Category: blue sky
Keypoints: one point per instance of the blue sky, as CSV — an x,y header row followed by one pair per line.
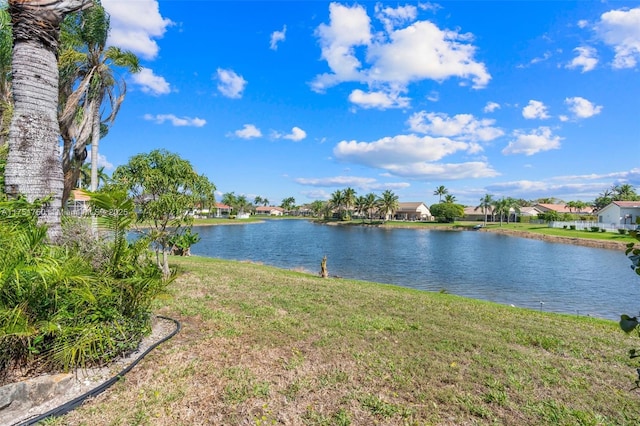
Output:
x,y
299,98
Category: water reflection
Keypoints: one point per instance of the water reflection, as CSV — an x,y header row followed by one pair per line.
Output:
x,y
510,270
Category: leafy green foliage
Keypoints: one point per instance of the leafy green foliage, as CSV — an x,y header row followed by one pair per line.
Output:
x,y
447,212
182,243
165,189
60,310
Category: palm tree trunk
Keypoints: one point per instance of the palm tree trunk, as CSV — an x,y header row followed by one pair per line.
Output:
x,y
33,165
95,140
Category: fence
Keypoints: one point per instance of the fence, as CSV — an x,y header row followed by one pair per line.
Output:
x,y
581,225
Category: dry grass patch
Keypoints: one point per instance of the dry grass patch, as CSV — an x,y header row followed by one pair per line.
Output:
x,y
263,346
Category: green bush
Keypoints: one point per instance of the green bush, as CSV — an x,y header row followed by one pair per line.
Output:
x,y
622,231
595,229
572,227
70,305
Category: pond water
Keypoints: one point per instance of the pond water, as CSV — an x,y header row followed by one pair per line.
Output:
x,y
510,270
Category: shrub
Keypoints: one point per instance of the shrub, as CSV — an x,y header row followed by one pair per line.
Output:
x,y
572,227
70,305
595,229
622,231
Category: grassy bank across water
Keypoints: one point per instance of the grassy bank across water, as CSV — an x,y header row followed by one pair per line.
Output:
x,y
264,346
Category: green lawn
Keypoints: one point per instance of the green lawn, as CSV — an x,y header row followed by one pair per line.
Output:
x,y
264,346
544,229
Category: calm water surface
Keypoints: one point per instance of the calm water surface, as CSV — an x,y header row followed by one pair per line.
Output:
x,y
516,271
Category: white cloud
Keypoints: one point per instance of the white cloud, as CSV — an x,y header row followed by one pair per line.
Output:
x,y
230,84
582,108
491,106
572,187
536,141
583,23
438,171
380,100
151,83
535,109
277,37
135,25
348,28
336,181
248,131
545,56
621,30
102,161
461,126
586,59
394,17
393,58
297,134
424,51
361,183
401,149
176,121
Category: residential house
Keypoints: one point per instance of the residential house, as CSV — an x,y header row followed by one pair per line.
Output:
x,y
413,211
529,211
477,214
78,203
222,210
620,214
562,208
269,211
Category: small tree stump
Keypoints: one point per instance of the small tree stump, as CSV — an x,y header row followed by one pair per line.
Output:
x,y
323,268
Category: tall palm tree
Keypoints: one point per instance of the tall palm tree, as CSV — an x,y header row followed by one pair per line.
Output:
x,y
440,191
388,203
501,207
624,192
229,199
337,201
242,203
349,195
84,180
288,203
570,205
360,206
512,204
91,89
485,204
449,198
33,165
316,207
371,203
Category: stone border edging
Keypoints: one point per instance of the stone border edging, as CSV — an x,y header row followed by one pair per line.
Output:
x,y
68,406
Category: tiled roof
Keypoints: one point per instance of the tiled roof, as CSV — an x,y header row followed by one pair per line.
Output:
x,y
268,208
627,204
410,205
79,195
